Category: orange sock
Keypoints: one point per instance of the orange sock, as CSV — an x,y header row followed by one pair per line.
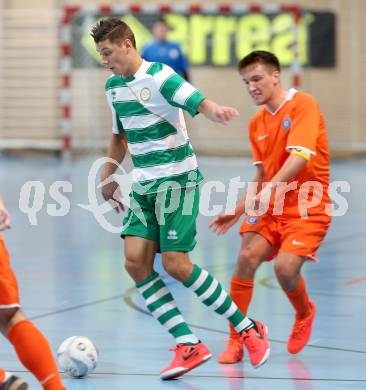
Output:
x,y
35,354
2,375
300,299
241,292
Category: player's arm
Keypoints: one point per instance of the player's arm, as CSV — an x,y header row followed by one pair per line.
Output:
x,y
4,216
118,144
292,166
301,142
116,151
222,223
258,181
217,113
258,163
179,93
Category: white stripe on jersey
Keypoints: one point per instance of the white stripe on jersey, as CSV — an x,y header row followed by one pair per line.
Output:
x,y
183,93
139,121
122,94
160,171
114,115
170,142
163,75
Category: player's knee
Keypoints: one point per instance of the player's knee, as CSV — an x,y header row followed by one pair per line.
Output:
x,y
170,264
248,259
284,272
177,267
138,269
7,317
133,268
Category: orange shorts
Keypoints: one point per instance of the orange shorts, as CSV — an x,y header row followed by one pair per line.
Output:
x,y
9,295
298,236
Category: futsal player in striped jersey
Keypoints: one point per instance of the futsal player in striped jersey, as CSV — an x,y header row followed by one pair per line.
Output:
x,y
146,100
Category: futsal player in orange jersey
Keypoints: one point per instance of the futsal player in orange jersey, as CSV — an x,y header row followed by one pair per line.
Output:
x,y
289,146
29,343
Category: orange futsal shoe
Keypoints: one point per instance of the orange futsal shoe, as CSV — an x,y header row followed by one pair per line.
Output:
x,y
186,358
301,331
256,342
233,353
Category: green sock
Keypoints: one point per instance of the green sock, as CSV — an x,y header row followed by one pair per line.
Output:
x,y
163,307
211,293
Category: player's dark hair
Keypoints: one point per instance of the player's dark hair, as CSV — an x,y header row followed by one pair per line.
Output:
x,y
261,57
113,29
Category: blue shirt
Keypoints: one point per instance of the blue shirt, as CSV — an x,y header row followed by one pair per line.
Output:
x,y
168,53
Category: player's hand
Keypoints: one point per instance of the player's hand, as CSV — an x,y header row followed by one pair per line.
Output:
x,y
221,224
112,194
217,113
224,115
4,219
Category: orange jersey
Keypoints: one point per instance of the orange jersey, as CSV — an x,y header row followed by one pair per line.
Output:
x,y
299,125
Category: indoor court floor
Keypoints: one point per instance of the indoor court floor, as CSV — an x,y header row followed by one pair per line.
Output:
x,y
72,282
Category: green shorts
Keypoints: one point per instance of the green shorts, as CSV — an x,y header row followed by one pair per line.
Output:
x,y
167,217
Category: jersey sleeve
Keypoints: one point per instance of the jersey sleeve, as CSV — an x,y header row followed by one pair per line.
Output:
x,y
117,127
256,155
177,91
305,126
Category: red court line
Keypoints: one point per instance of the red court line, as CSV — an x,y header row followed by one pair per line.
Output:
x,y
356,281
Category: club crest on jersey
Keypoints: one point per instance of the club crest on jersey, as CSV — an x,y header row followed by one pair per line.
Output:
x,y
286,123
252,220
145,94
114,95
174,53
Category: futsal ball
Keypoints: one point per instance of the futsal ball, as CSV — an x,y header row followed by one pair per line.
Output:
x,y
77,356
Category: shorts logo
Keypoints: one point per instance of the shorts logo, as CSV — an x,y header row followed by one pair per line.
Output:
x,y
145,94
172,235
286,124
295,242
252,220
261,137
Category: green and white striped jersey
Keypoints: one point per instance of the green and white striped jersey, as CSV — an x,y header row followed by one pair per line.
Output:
x,y
148,108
